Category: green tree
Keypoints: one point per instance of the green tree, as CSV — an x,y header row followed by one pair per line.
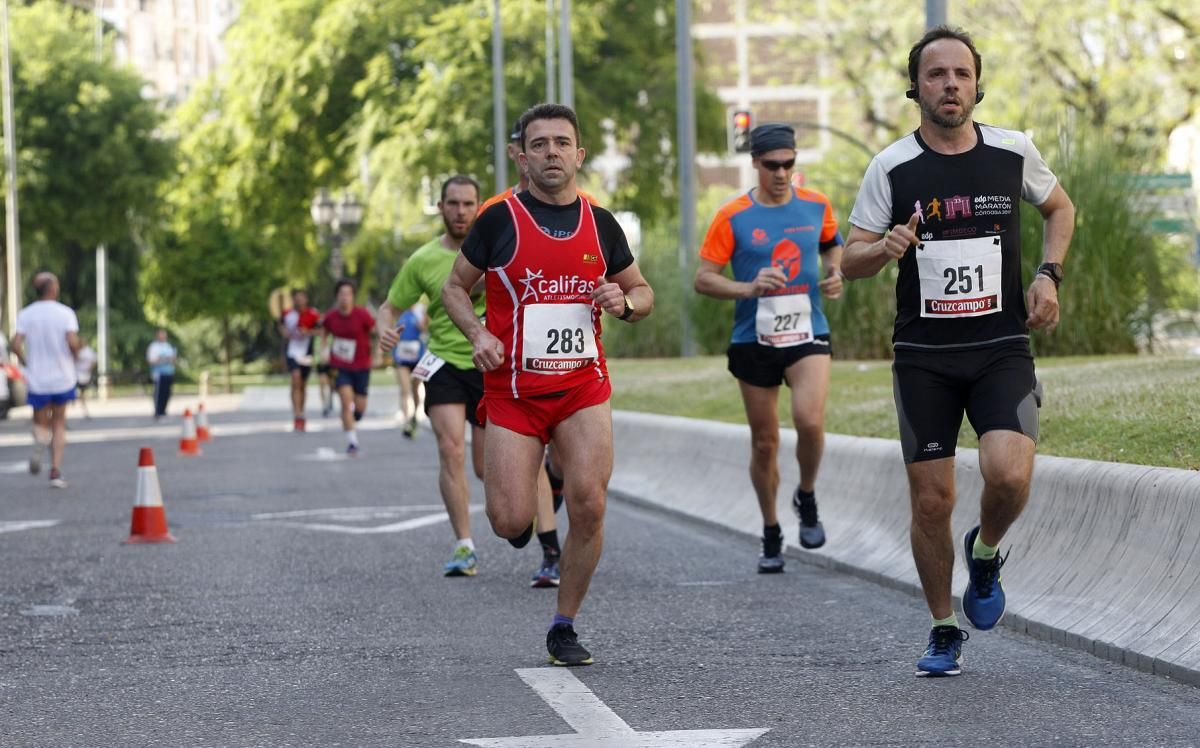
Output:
x,y
89,163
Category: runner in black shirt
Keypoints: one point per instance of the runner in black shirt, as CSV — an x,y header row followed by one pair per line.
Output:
x,y
950,194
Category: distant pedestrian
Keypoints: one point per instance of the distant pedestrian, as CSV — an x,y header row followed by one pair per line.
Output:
x,y
298,327
413,326
161,357
46,341
85,369
351,327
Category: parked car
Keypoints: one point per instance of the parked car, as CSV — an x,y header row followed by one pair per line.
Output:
x,y
12,381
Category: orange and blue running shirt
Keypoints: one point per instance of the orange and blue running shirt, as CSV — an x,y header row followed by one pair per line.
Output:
x,y
751,236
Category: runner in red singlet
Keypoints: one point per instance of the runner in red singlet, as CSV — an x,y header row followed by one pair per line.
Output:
x,y
553,263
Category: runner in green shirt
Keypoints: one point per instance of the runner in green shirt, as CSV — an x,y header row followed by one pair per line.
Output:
x,y
453,386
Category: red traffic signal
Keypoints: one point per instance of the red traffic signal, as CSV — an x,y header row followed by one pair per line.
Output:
x,y
739,134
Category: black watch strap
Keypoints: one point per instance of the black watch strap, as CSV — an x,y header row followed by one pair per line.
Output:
x,y
628,310
1053,271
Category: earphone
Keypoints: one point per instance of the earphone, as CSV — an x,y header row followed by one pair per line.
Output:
x,y
912,94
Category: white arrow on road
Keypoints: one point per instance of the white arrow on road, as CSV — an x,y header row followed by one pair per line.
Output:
x,y
597,726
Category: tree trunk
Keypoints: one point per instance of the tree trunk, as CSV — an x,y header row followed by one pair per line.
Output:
x,y
228,370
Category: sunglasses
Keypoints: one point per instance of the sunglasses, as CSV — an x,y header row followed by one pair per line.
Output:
x,y
777,165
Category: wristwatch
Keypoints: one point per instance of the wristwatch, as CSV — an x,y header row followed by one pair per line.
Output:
x,y
629,310
1051,270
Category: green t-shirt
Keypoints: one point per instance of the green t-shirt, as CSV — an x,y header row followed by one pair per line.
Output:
x,y
424,274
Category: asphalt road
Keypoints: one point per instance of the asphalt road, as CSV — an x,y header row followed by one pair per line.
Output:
x,y
284,617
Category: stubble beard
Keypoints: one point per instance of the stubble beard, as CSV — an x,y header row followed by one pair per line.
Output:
x,y
950,123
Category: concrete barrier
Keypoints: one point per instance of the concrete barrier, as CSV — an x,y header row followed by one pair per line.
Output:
x,y
1106,558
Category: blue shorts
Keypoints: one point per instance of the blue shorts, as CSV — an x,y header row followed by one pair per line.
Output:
x,y
357,379
37,402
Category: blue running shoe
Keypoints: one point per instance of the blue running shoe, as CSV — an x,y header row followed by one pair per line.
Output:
x,y
983,600
943,656
547,573
462,564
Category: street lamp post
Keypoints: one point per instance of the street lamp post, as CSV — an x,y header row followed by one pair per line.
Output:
x,y
338,221
12,223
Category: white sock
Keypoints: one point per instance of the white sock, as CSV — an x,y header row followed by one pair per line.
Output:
x,y
465,543
352,437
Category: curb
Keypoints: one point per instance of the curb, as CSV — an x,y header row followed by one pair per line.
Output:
x,y
1105,558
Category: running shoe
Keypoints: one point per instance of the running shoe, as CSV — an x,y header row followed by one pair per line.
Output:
x,y
523,539
352,450
463,563
298,425
547,573
410,429
812,532
35,457
771,560
325,411
565,650
983,600
56,479
943,656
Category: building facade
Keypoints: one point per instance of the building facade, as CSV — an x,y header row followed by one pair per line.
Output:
x,y
758,55
174,44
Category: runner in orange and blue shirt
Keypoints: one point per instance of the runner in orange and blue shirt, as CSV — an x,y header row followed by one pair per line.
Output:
x,y
772,237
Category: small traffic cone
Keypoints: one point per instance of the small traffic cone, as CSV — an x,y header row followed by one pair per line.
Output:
x,y
188,444
202,432
149,524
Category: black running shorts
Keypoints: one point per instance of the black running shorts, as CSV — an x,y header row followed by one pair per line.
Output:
x,y
763,366
450,386
356,379
994,386
294,365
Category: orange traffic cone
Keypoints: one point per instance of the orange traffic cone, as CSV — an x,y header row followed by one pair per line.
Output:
x,y
149,523
202,432
189,446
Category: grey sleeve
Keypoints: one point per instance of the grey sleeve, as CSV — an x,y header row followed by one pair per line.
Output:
x,y
1037,181
873,206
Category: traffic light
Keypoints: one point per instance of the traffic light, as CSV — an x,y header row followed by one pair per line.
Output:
x,y
739,141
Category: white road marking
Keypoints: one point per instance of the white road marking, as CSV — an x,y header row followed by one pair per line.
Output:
x,y
361,514
12,468
597,726
29,524
351,513
169,431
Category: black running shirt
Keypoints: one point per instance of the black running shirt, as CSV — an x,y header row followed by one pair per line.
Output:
x,y
961,286
493,239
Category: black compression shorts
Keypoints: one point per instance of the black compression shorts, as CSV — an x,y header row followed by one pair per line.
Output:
x,y
994,386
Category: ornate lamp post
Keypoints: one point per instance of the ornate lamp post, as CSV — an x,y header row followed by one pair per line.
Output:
x,y
338,221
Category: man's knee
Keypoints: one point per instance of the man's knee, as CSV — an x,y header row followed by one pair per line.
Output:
x,y
505,522
586,509
932,505
764,445
451,451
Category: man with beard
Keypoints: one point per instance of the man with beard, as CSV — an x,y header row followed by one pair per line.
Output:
x,y
553,264
453,386
944,203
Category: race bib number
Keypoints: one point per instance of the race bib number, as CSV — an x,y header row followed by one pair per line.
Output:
x,y
557,338
344,348
960,277
407,350
427,366
784,321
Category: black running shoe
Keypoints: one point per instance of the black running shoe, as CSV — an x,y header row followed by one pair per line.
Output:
x,y
771,560
523,539
565,650
812,532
